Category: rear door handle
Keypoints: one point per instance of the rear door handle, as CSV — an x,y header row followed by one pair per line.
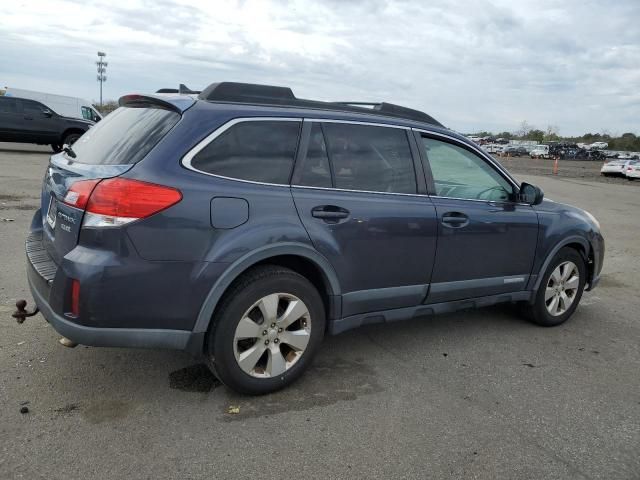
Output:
x,y
329,213
455,219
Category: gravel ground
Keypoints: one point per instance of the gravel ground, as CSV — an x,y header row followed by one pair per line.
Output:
x,y
480,394
575,169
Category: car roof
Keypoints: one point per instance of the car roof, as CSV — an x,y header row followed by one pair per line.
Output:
x,y
236,109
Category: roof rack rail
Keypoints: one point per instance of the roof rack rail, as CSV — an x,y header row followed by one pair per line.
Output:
x,y
283,96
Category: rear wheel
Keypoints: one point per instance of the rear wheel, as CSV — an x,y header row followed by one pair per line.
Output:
x,y
560,289
266,331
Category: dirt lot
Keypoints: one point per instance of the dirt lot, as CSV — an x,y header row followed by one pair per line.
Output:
x,y
479,394
575,169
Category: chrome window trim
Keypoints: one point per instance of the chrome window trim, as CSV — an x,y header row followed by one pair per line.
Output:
x,y
188,157
478,150
360,191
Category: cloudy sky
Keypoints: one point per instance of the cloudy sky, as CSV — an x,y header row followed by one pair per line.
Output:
x,y
473,64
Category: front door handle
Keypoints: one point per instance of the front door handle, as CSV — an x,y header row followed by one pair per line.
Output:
x,y
455,220
329,213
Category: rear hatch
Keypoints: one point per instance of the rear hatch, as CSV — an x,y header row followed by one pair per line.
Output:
x,y
107,150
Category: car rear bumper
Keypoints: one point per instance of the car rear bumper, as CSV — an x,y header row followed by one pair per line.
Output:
x,y
41,272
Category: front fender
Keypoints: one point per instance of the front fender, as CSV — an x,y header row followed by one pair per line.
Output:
x,y
537,278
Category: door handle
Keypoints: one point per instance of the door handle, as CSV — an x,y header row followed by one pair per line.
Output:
x,y
27,117
329,213
455,220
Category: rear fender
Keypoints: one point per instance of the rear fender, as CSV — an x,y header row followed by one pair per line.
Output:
x,y
252,258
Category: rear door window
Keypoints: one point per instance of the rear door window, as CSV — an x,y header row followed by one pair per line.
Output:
x,y
125,136
258,151
370,158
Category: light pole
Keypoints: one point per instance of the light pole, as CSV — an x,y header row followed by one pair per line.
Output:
x,y
102,70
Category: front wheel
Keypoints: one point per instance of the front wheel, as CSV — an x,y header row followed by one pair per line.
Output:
x,y
560,289
267,330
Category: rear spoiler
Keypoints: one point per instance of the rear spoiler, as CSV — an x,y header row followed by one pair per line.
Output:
x,y
178,103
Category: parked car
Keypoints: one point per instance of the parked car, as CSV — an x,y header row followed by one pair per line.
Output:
x,y
540,151
616,167
514,151
633,171
245,224
63,105
28,121
628,156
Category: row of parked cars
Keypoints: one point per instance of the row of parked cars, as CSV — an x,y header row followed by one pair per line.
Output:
x,y
565,151
627,168
558,150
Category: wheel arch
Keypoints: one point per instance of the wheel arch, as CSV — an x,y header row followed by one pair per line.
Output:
x,y
69,131
300,258
576,242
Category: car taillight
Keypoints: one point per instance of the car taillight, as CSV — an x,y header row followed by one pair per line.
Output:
x,y
75,298
78,195
118,201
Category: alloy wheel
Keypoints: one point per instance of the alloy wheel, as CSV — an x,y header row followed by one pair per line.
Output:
x,y
272,335
562,288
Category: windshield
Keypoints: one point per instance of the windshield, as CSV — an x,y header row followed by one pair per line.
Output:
x,y
124,136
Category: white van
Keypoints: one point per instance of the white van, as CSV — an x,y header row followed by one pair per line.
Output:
x,y
72,107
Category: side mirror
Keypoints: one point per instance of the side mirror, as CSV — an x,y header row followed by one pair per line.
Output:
x,y
47,112
531,194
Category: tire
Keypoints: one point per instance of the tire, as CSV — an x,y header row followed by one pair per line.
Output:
x,y
540,312
56,147
71,138
246,302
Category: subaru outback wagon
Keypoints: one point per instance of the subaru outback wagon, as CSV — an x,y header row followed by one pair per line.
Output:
x,y
243,224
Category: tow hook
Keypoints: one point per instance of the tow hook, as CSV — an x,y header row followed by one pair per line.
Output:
x,y
21,313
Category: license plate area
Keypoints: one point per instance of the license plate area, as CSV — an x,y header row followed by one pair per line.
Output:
x,y
52,212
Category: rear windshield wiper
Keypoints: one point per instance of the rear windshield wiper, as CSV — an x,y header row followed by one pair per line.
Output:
x,y
69,151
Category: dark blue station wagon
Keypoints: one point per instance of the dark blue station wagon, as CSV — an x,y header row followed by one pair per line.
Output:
x,y
243,223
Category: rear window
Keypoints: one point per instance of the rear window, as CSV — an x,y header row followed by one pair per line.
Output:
x,y
259,151
124,136
8,105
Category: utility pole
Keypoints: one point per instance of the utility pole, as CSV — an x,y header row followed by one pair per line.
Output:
x,y
102,71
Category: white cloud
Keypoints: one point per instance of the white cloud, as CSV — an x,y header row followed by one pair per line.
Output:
x,y
471,64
